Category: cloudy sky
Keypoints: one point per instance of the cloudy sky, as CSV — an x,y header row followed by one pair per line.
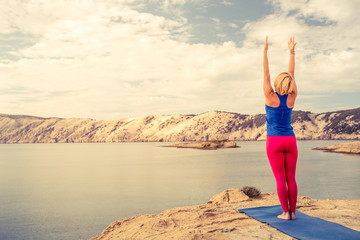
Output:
x,y
108,59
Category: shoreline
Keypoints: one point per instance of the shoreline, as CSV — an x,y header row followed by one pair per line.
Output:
x,y
219,219
260,140
352,147
206,145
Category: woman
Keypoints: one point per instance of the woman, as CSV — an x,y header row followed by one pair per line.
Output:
x,y
281,146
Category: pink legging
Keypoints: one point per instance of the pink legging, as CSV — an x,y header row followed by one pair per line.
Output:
x,y
282,153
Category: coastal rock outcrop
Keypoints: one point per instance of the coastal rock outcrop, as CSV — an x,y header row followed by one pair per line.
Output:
x,y
208,145
219,219
351,147
207,126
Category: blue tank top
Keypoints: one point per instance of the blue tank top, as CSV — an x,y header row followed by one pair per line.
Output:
x,y
278,119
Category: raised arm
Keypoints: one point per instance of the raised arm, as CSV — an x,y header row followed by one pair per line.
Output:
x,y
268,90
292,45
291,70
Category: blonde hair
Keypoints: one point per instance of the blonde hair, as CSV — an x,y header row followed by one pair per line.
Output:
x,y
284,83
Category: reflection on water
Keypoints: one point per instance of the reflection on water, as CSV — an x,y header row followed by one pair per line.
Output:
x,y
73,191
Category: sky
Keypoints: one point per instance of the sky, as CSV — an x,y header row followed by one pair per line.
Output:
x,y
108,59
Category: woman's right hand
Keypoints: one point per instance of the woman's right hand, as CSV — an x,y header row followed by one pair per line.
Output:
x,y
266,44
292,44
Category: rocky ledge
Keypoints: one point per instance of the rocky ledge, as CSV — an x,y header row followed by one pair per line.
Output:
x,y
207,145
219,219
351,147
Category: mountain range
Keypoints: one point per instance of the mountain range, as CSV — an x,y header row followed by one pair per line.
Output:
x,y
213,125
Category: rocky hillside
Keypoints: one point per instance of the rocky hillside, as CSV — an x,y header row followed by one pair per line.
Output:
x,y
175,128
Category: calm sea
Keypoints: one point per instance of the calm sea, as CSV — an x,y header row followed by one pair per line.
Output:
x,y
73,191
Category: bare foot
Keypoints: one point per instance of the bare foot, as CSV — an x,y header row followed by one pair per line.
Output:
x,y
293,216
284,215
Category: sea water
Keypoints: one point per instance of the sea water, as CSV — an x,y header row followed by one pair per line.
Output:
x,y
73,191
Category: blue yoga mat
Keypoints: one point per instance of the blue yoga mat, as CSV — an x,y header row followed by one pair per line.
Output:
x,y
303,227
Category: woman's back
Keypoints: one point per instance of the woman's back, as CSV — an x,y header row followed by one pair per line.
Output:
x,y
279,118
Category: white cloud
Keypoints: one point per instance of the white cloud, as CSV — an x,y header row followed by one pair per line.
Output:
x,y
227,3
175,8
216,20
233,25
107,58
323,10
104,59
326,55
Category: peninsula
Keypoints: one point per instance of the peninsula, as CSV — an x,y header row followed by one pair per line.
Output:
x,y
351,147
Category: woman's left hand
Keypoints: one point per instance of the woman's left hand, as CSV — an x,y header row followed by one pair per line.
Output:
x,y
266,47
292,44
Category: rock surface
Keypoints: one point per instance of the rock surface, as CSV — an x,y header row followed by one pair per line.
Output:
x,y
175,128
219,219
209,145
351,147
